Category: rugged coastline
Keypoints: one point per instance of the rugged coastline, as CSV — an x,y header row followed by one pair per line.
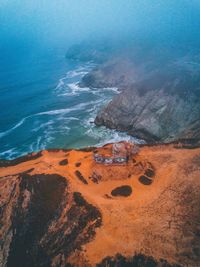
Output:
x,y
159,98
100,133
58,207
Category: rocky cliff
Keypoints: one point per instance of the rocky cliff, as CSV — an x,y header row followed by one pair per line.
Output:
x,y
161,108
60,208
160,94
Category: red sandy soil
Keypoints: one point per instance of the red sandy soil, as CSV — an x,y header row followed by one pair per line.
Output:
x,y
161,219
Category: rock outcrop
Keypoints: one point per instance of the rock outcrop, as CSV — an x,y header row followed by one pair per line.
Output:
x,y
54,214
117,72
160,94
162,108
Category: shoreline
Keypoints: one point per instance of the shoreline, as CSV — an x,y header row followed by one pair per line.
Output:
x,y
178,144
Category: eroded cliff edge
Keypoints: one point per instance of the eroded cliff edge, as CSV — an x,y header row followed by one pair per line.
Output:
x,y
159,97
60,208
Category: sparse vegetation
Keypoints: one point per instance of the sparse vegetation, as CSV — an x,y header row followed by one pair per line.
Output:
x,y
145,180
63,162
80,177
124,191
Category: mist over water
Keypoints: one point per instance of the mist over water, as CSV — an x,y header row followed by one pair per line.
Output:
x,y
41,103
30,25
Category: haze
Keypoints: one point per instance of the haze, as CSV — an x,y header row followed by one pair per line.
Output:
x,y
49,24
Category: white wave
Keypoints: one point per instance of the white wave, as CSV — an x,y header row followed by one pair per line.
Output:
x,y
103,91
113,89
60,83
118,137
65,128
75,73
38,143
65,88
57,124
9,154
62,111
50,112
104,135
31,147
79,72
73,119
14,127
68,119
43,125
54,112
73,89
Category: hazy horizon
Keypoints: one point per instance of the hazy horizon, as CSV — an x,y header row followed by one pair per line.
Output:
x,y
42,25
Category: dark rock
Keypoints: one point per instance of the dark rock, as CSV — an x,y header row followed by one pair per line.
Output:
x,y
80,177
116,72
187,143
63,162
55,150
95,178
154,115
29,226
150,173
138,260
89,51
87,149
49,225
124,191
145,180
13,162
157,103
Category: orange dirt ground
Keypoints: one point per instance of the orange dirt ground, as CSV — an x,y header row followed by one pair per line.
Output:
x,y
160,219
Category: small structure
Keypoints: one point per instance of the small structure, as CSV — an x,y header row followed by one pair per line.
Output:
x,y
119,153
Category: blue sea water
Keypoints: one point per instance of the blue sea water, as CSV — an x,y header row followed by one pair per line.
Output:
x,y
43,107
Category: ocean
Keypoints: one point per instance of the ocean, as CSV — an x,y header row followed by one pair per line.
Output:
x,y
43,107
